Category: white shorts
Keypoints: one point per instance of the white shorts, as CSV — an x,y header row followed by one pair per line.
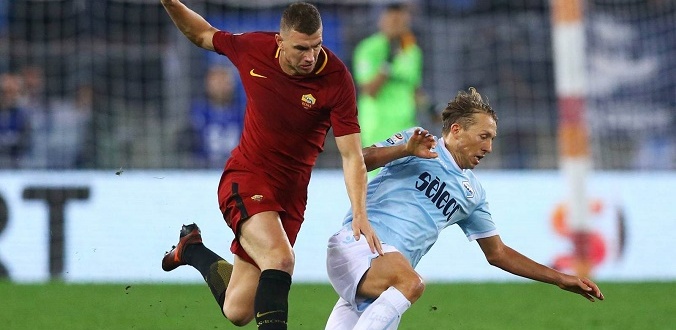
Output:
x,y
347,260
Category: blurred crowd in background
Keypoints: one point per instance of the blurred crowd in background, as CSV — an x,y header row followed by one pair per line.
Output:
x,y
100,84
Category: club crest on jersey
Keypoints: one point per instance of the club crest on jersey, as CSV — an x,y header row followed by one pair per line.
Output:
x,y
308,100
257,198
469,192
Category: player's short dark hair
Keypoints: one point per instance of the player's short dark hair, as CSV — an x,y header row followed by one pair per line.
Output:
x,y
397,6
301,17
462,108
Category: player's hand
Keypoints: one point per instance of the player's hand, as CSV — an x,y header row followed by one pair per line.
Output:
x,y
361,225
582,286
421,143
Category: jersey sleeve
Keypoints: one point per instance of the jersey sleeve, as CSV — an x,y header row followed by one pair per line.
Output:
x,y
225,43
344,114
479,224
398,139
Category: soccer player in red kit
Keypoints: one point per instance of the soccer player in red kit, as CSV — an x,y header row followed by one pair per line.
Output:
x,y
296,90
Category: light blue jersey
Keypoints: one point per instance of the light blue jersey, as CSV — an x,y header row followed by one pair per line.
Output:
x,y
412,199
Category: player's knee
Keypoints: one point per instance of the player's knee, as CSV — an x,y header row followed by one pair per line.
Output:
x,y
238,316
287,262
412,287
283,260
418,290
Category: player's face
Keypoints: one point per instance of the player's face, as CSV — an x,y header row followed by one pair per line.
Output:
x,y
394,23
468,146
299,52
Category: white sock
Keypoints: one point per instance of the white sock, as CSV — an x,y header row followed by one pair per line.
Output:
x,y
342,317
384,311
395,324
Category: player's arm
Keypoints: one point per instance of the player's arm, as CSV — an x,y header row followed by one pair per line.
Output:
x,y
191,24
502,256
370,73
418,145
372,87
355,180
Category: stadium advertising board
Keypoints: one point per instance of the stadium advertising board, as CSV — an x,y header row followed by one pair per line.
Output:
x,y
102,226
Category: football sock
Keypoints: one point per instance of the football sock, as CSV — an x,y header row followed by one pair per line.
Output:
x,y
215,271
384,312
271,303
342,317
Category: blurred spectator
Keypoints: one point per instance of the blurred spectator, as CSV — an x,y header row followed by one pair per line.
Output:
x,y
388,71
215,121
33,92
15,127
33,100
69,130
625,56
4,7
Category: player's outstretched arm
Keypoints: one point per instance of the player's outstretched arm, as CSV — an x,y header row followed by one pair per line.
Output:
x,y
355,182
191,24
502,256
418,145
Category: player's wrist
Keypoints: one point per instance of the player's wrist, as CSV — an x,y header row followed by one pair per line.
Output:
x,y
359,217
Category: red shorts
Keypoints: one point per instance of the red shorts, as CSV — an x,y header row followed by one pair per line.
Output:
x,y
243,193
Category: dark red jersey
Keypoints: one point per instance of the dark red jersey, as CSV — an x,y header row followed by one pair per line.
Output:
x,y
287,117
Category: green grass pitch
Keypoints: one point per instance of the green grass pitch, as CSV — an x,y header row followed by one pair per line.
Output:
x,y
464,306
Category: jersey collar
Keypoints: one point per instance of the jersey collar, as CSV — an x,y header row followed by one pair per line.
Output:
x,y
448,155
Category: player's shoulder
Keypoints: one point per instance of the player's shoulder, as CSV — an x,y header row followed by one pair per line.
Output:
x,y
257,38
399,137
330,63
373,40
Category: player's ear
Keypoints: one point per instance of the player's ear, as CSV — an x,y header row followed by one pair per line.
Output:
x,y
278,40
455,128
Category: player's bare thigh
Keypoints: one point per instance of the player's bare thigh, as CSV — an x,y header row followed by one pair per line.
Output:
x,y
263,237
239,297
391,269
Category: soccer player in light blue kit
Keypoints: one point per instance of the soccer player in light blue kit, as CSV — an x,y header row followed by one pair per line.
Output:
x,y
426,184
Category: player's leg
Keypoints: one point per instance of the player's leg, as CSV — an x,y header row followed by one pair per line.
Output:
x,y
395,284
250,207
191,251
356,275
238,306
263,238
343,316
394,325
385,312
391,270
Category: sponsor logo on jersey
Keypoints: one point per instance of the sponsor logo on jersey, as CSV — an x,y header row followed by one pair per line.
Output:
x,y
435,190
395,138
254,74
308,100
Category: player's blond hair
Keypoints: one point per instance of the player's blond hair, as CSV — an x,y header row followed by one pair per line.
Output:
x,y
462,108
